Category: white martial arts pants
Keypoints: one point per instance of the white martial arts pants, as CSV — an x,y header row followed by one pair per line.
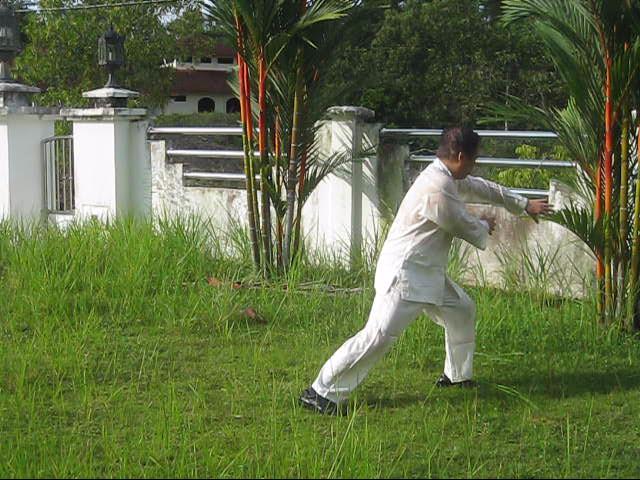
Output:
x,y
389,316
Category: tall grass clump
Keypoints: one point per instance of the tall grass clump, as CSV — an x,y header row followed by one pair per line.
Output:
x,y
126,350
64,277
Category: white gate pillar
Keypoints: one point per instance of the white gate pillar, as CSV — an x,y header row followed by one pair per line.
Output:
x,y
22,128
112,165
343,215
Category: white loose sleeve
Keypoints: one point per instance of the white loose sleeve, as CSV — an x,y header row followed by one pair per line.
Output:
x,y
450,214
476,189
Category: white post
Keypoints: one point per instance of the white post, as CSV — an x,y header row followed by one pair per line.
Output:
x,y
392,158
112,165
22,128
343,216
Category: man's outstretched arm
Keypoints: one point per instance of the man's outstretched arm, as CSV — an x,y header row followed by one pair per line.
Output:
x,y
476,189
449,213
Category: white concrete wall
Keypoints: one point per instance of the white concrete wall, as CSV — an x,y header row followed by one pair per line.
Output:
x,y
94,168
191,105
335,208
522,254
21,164
112,167
5,184
222,206
140,168
560,262
329,213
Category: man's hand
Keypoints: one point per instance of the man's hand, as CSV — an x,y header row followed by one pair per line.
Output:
x,y
537,207
491,221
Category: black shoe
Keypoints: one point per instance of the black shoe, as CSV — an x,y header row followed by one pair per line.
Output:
x,y
314,401
444,381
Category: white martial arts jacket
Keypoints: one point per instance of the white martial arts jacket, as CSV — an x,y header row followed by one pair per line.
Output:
x,y
415,253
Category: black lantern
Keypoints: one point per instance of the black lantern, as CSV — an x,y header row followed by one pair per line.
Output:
x,y
111,54
10,43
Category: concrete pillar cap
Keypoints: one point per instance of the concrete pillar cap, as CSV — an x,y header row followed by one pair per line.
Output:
x,y
359,113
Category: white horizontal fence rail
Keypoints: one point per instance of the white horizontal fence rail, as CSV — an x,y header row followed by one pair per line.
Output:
x,y
408,133
195,178
435,132
59,190
240,177
530,192
237,180
208,153
195,130
506,162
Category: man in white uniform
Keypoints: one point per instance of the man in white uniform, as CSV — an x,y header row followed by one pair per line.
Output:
x,y
411,272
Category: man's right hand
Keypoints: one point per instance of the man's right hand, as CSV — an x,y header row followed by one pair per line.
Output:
x,y
491,221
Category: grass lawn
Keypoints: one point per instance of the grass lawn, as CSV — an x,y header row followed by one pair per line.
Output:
x,y
119,359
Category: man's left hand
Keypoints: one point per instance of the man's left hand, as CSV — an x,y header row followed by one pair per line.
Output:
x,y
539,206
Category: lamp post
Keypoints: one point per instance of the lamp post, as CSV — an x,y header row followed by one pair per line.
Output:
x,y
111,54
10,43
12,93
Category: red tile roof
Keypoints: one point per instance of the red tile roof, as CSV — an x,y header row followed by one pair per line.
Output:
x,y
200,81
224,51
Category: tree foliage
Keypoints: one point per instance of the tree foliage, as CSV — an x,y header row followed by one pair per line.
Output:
x,y
60,55
595,46
438,63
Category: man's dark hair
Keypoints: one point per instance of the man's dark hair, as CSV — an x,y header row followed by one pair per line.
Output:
x,y
458,139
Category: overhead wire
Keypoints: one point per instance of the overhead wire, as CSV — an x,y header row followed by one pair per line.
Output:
x,y
39,9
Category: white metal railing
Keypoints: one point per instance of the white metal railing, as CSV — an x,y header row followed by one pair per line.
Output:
x,y
59,190
505,162
408,133
196,130
435,132
530,192
216,176
208,153
399,133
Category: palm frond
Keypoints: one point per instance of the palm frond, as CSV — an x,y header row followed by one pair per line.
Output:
x,y
579,220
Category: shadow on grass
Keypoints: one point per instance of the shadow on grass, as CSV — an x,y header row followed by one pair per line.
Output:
x,y
526,389
391,401
569,384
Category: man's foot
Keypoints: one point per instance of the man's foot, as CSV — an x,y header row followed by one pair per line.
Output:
x,y
444,381
316,402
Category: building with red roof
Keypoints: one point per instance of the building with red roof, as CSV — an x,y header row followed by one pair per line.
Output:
x,y
201,84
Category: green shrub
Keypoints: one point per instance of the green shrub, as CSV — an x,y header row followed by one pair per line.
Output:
x,y
209,119
534,177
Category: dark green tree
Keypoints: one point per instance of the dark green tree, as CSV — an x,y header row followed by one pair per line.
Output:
x,y
439,63
60,55
195,35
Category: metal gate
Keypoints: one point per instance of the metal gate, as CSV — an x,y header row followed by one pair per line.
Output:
x,y
59,190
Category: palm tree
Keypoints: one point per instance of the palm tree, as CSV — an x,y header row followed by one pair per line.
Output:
x,y
595,47
275,38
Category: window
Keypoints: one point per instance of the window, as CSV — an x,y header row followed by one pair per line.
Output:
x,y
233,105
226,60
179,98
206,104
187,59
205,60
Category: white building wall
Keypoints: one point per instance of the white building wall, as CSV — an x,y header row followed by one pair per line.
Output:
x,y
191,104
